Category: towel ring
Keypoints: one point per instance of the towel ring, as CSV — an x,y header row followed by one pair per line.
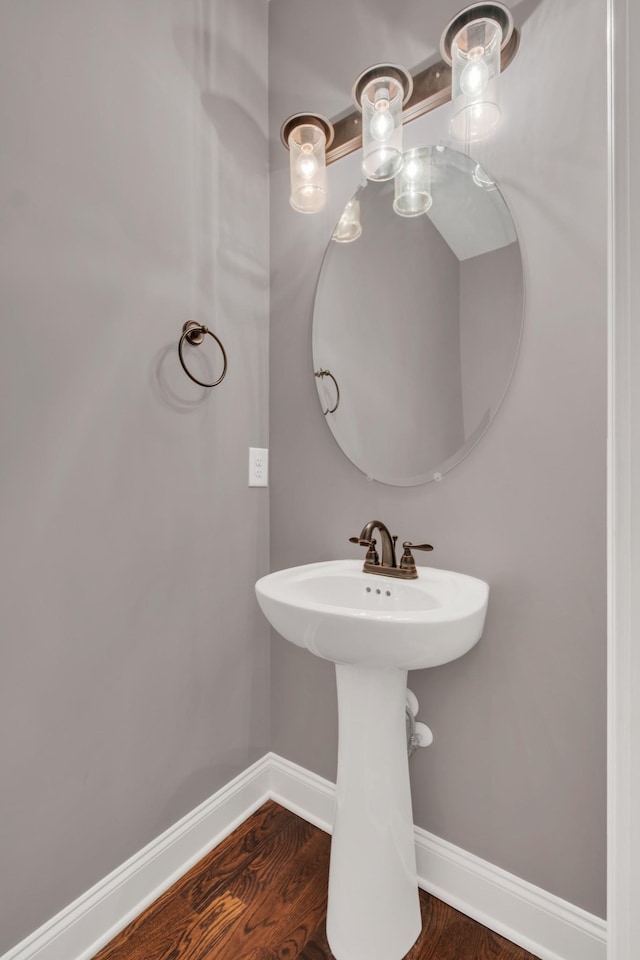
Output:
x,y
327,373
194,333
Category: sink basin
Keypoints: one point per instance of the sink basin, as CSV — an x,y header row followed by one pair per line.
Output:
x,y
375,628
342,614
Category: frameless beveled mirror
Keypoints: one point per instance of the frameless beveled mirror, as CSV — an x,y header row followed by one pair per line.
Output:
x,y
418,318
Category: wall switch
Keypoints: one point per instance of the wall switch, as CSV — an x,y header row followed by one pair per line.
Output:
x,y
258,467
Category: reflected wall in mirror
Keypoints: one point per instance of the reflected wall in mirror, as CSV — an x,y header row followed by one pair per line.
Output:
x,y
418,319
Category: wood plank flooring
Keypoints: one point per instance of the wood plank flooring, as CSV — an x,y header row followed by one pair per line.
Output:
x,y
262,895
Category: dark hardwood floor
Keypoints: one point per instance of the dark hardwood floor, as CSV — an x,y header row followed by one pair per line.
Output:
x,y
262,895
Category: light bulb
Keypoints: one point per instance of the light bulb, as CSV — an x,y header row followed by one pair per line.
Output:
x,y
380,98
306,164
381,122
475,75
307,141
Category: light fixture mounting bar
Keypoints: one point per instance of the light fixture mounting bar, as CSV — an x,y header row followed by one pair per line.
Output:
x,y
431,89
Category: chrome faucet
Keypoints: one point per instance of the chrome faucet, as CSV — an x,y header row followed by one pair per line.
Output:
x,y
388,566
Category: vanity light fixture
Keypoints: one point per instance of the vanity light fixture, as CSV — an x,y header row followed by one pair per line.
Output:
x,y
380,93
472,44
477,44
307,136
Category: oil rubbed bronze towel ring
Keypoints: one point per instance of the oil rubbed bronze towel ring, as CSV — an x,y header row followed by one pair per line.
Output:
x,y
327,373
194,333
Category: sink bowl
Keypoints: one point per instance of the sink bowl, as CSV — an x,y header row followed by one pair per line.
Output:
x,y
340,613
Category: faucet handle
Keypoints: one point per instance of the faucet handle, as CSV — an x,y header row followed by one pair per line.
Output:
x,y
372,553
407,562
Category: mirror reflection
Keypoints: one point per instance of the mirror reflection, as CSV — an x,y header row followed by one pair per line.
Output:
x,y
418,317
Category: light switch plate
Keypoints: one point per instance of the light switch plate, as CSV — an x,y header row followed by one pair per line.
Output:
x,y
258,467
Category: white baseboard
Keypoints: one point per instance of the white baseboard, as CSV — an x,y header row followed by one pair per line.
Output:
x,y
86,925
547,926
303,792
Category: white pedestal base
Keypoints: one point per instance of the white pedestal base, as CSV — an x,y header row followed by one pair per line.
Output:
x,y
373,911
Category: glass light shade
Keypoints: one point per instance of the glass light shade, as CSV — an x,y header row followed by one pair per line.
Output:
x,y
413,183
308,168
381,103
475,78
349,227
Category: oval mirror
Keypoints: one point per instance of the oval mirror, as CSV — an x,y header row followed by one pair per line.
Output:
x,y
418,316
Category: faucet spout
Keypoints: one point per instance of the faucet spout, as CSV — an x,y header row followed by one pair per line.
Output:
x,y
388,552
388,565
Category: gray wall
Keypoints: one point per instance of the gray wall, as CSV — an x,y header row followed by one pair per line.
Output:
x,y
134,677
490,285
517,770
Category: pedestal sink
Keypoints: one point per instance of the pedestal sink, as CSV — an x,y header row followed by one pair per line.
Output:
x,y
375,629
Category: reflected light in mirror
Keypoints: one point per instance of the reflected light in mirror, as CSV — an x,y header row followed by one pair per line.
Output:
x,y
348,227
482,179
413,184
